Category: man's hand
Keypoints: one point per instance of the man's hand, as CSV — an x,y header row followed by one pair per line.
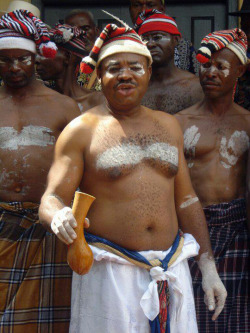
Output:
x,y
63,225
215,292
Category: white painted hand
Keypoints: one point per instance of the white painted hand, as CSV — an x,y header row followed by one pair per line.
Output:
x,y
215,292
63,225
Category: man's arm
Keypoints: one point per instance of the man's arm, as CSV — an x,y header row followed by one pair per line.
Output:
x,y
192,220
63,179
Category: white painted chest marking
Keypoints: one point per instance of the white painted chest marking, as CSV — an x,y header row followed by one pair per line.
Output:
x,y
29,136
191,138
232,149
128,154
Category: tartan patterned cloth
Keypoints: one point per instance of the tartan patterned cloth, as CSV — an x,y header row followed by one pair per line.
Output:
x,y
230,244
35,279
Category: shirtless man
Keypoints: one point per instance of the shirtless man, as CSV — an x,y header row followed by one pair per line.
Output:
x,y
216,141
35,280
170,89
185,56
72,47
131,159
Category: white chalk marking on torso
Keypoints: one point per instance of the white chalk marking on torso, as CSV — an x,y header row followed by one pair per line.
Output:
x,y
191,138
128,154
238,144
11,139
190,201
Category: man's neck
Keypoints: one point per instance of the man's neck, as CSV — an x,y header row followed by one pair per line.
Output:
x,y
123,114
167,71
22,92
219,106
67,84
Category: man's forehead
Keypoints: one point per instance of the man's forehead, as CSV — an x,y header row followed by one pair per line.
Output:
x,y
15,52
224,55
124,57
81,19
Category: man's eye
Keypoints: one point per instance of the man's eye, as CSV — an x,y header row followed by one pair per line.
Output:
x,y
113,69
135,68
157,37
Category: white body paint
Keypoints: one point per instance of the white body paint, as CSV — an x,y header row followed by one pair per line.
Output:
x,y
212,69
29,136
191,138
232,149
190,201
128,154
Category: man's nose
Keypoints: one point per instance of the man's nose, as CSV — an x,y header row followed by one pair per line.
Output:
x,y
14,66
125,74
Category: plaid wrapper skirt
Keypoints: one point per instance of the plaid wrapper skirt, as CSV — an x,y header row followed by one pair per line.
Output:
x,y
35,280
229,236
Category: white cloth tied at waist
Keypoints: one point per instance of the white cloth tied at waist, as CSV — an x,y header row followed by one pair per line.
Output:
x,y
150,300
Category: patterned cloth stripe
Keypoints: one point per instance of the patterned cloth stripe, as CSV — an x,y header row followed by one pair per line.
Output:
x,y
28,26
137,259
154,20
160,20
35,281
230,242
235,40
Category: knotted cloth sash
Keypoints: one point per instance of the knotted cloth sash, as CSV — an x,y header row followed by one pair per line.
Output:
x,y
138,260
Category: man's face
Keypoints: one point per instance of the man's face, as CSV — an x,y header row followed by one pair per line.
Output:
x,y
124,78
17,67
219,75
50,69
138,6
84,22
161,46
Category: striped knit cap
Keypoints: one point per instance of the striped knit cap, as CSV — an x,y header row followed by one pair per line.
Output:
x,y
20,29
70,38
114,40
154,20
235,40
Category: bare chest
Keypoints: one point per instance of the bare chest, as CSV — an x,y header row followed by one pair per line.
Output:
x,y
120,157
169,99
226,143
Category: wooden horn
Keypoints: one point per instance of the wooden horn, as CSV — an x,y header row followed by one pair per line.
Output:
x,y
80,256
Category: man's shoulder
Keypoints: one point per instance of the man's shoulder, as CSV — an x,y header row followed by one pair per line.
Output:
x,y
166,120
241,111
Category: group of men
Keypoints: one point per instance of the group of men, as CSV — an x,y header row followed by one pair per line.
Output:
x,y
170,190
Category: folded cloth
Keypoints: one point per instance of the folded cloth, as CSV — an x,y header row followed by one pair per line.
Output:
x,y
120,294
227,225
35,280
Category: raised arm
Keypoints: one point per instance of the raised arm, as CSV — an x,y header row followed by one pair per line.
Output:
x,y
192,220
63,179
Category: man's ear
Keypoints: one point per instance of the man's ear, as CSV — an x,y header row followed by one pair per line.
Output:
x,y
176,39
241,70
150,70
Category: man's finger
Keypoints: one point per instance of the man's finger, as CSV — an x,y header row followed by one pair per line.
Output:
x,y
86,223
64,234
70,231
210,299
220,304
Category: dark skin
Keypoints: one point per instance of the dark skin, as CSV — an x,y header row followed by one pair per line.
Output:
x,y
170,88
217,150
138,6
62,69
138,204
85,22
28,130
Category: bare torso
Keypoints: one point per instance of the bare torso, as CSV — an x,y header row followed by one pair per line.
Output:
x,y
172,96
130,167
216,152
28,132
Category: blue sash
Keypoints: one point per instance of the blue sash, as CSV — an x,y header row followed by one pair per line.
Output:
x,y
138,259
